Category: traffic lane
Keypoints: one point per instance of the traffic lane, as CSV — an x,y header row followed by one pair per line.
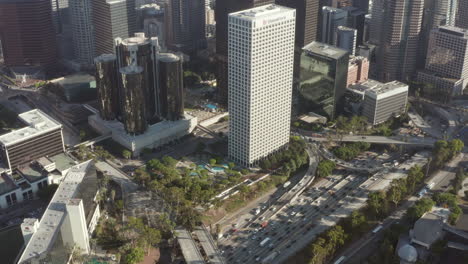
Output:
x,y
300,224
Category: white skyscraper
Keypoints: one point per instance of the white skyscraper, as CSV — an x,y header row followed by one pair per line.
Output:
x,y
261,56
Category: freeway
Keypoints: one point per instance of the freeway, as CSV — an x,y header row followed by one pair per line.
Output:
x,y
294,225
189,249
359,250
208,245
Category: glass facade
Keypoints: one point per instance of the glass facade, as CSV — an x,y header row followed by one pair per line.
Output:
x,y
322,84
171,86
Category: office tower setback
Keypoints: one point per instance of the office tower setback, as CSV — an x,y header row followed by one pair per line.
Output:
x,y
261,56
171,86
332,18
107,86
446,71
133,100
396,28
186,20
142,51
222,10
462,14
346,39
112,19
82,31
27,33
324,70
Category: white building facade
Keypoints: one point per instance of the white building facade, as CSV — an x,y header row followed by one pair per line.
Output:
x,y
261,56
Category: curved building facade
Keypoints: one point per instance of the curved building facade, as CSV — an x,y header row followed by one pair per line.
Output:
x,y
133,100
107,87
141,51
27,33
171,86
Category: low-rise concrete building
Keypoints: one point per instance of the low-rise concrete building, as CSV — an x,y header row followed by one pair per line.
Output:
x,y
377,101
68,221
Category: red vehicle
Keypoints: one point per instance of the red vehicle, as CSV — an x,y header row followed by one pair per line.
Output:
x,y
264,224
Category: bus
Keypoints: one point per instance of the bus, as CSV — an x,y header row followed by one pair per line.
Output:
x,y
377,229
340,260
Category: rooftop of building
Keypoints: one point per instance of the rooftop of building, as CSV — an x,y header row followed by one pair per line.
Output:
x,y
62,161
6,184
333,9
168,57
76,80
32,172
322,49
388,87
456,31
37,123
343,28
138,39
429,228
43,239
357,59
260,12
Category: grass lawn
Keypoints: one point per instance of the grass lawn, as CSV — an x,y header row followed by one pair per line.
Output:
x,y
11,240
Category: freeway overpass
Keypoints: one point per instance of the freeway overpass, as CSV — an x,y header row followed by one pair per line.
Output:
x,y
416,141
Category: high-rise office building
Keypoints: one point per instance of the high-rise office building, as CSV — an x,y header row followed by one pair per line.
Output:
x,y
27,33
446,71
332,18
436,13
82,31
346,39
306,26
143,52
133,97
462,14
186,23
362,5
356,20
171,86
112,19
324,73
396,28
107,86
261,57
222,10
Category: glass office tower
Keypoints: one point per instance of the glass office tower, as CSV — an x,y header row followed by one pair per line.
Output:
x,y
323,76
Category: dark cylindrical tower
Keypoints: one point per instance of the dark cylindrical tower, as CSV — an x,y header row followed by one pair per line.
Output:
x,y
133,100
107,88
142,52
27,33
171,86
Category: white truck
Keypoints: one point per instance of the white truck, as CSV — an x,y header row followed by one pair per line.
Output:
x,y
264,242
269,259
257,211
430,185
286,184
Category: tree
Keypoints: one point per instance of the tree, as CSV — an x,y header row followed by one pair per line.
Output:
x,y
244,190
212,162
134,255
126,154
231,165
169,161
318,251
82,135
376,202
325,168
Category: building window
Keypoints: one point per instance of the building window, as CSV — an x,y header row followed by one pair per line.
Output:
x,y
28,195
11,199
42,184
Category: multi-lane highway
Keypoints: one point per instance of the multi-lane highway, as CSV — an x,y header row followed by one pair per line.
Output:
x,y
293,226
